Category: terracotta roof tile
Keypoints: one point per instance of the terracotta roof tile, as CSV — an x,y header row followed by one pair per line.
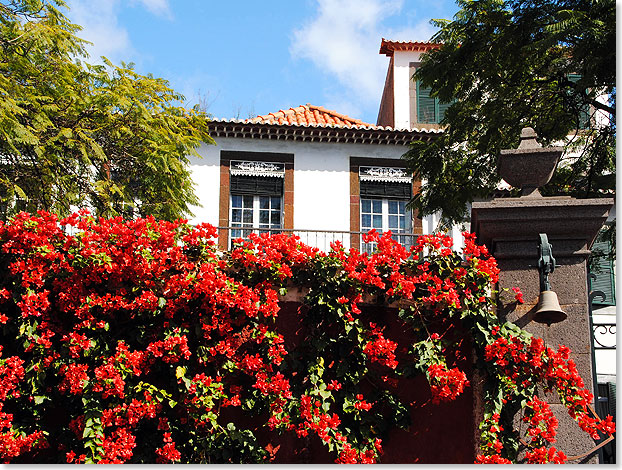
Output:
x,y
388,47
309,115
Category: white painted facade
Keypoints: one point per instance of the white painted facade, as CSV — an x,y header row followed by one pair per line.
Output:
x,y
401,82
321,181
402,66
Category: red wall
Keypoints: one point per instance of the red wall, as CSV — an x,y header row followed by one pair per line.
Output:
x,y
439,433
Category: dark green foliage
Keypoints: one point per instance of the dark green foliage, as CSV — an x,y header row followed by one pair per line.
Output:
x,y
513,64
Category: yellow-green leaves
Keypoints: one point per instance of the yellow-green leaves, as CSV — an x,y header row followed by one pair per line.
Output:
x,y
71,133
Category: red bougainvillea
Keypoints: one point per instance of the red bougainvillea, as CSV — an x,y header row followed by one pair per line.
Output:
x,y
138,341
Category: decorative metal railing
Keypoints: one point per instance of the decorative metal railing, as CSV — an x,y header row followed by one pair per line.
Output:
x,y
604,335
320,239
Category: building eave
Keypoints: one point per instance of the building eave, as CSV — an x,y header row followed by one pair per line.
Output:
x,y
233,128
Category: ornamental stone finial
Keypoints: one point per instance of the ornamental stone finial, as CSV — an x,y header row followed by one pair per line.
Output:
x,y
530,166
528,139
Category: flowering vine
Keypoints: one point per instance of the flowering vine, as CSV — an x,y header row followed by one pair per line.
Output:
x,y
138,341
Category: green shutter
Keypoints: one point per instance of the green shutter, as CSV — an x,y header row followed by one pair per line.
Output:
x,y
426,106
442,107
584,116
602,278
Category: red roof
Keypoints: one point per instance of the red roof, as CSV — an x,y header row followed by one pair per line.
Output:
x,y
389,47
309,115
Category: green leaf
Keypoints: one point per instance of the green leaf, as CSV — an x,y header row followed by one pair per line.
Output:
x,y
40,399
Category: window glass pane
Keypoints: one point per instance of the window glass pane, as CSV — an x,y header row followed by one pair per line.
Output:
x,y
263,217
236,215
248,201
275,218
366,205
264,202
403,223
393,222
377,222
402,205
248,216
276,203
377,206
393,206
366,221
236,201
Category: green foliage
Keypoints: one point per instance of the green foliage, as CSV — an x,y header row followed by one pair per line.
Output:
x,y
512,64
139,341
78,134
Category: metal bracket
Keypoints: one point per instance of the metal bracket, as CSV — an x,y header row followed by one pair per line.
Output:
x,y
546,262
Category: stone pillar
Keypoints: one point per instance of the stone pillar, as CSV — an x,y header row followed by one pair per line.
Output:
x,y
510,228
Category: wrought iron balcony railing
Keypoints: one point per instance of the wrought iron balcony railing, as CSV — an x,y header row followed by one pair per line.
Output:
x,y
320,239
604,335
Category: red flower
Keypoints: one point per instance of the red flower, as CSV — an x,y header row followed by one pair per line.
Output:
x,y
518,295
446,384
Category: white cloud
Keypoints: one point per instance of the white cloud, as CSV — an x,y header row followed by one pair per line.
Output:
x,y
343,40
100,26
422,31
157,7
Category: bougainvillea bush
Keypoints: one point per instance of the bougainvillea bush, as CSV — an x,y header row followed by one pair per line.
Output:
x,y
138,341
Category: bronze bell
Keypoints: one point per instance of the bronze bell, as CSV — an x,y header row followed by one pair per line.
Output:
x,y
548,310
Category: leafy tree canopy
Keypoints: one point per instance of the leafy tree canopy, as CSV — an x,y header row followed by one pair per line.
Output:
x,y
72,133
511,64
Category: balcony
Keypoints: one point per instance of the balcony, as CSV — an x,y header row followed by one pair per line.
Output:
x,y
320,239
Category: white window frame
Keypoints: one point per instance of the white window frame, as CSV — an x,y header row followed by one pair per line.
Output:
x,y
369,247
255,227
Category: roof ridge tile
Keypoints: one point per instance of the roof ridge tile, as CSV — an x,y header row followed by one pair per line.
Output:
x,y
310,115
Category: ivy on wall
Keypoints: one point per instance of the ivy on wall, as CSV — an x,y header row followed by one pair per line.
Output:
x,y
138,341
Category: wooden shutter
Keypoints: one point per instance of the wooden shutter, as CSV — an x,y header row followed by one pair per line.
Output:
x,y
256,185
584,115
377,189
426,106
602,276
442,107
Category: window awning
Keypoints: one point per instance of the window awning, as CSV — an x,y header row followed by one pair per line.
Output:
x,y
267,169
384,174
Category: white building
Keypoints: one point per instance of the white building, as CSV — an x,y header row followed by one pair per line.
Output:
x,y
310,171
318,173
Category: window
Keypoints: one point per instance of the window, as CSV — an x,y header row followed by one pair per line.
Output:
x,y
386,215
424,109
602,273
429,109
384,194
256,198
584,112
250,212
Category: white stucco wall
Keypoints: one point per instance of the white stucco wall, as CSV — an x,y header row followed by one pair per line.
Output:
x,y
206,178
321,178
401,77
431,224
606,359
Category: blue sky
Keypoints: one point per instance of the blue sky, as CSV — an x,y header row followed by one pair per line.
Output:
x,y
246,58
